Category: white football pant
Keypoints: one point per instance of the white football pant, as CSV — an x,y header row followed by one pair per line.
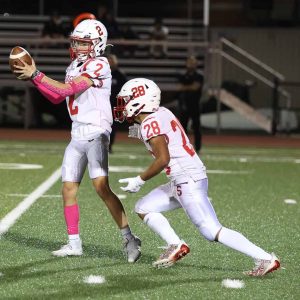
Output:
x,y
80,154
192,197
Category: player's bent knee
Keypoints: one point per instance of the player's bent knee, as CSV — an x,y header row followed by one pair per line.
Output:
x,y
209,233
140,209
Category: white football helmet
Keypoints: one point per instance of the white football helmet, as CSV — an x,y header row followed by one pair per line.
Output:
x,y
92,32
139,95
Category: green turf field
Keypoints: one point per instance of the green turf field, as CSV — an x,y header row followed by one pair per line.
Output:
x,y
247,186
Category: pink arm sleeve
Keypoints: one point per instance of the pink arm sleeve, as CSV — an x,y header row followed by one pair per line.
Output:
x,y
56,94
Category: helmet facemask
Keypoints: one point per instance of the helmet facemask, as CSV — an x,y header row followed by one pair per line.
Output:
x,y
120,111
82,53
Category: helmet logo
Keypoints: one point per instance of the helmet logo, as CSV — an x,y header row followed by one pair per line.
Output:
x,y
138,91
99,30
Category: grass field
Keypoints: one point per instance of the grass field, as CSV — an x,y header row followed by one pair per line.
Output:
x,y
247,186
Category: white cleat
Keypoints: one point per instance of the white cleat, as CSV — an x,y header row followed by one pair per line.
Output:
x,y
132,249
172,254
263,267
68,250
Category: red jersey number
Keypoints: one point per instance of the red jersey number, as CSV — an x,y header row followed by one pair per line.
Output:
x,y
189,149
72,108
152,128
96,72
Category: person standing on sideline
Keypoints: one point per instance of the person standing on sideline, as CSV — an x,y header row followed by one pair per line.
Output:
x,y
159,33
86,89
164,137
190,91
118,80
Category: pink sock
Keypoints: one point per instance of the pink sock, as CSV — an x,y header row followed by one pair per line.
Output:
x,y
72,218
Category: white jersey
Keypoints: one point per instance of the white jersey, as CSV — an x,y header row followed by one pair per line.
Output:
x,y
184,161
90,111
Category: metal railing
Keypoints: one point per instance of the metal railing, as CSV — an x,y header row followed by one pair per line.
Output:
x,y
275,83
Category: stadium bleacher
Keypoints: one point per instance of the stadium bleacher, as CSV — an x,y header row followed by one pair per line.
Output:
x,y
185,37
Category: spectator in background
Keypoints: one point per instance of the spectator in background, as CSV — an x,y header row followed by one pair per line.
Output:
x,y
159,32
54,27
190,91
111,25
128,34
118,80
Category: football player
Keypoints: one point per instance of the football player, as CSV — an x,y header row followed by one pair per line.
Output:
x,y
163,135
86,90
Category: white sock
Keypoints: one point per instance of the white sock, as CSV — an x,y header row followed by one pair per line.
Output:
x,y
237,241
74,240
160,225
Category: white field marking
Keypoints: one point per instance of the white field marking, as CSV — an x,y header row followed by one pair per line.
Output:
x,y
13,166
212,154
243,159
10,219
25,195
129,169
132,156
120,196
233,283
232,158
290,201
227,172
1,274
261,159
94,279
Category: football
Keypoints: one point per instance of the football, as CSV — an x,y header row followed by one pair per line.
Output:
x,y
16,55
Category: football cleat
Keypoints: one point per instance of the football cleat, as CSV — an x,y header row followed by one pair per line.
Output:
x,y
69,250
132,249
263,267
172,254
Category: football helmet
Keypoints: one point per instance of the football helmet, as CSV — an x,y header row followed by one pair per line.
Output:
x,y
92,32
139,95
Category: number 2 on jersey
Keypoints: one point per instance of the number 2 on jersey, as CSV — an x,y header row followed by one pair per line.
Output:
x,y
189,149
73,109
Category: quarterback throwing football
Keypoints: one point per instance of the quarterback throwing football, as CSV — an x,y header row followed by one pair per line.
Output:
x,y
164,137
87,90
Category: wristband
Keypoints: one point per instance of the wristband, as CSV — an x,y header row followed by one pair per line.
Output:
x,y
35,74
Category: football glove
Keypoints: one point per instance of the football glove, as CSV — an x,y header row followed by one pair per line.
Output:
x,y
133,184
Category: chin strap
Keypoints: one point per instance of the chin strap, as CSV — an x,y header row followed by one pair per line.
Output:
x,y
54,93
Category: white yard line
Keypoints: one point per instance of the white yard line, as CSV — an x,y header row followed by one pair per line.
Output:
x,y
10,219
25,195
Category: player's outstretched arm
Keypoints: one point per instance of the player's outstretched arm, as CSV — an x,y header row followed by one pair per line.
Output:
x,y
53,90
